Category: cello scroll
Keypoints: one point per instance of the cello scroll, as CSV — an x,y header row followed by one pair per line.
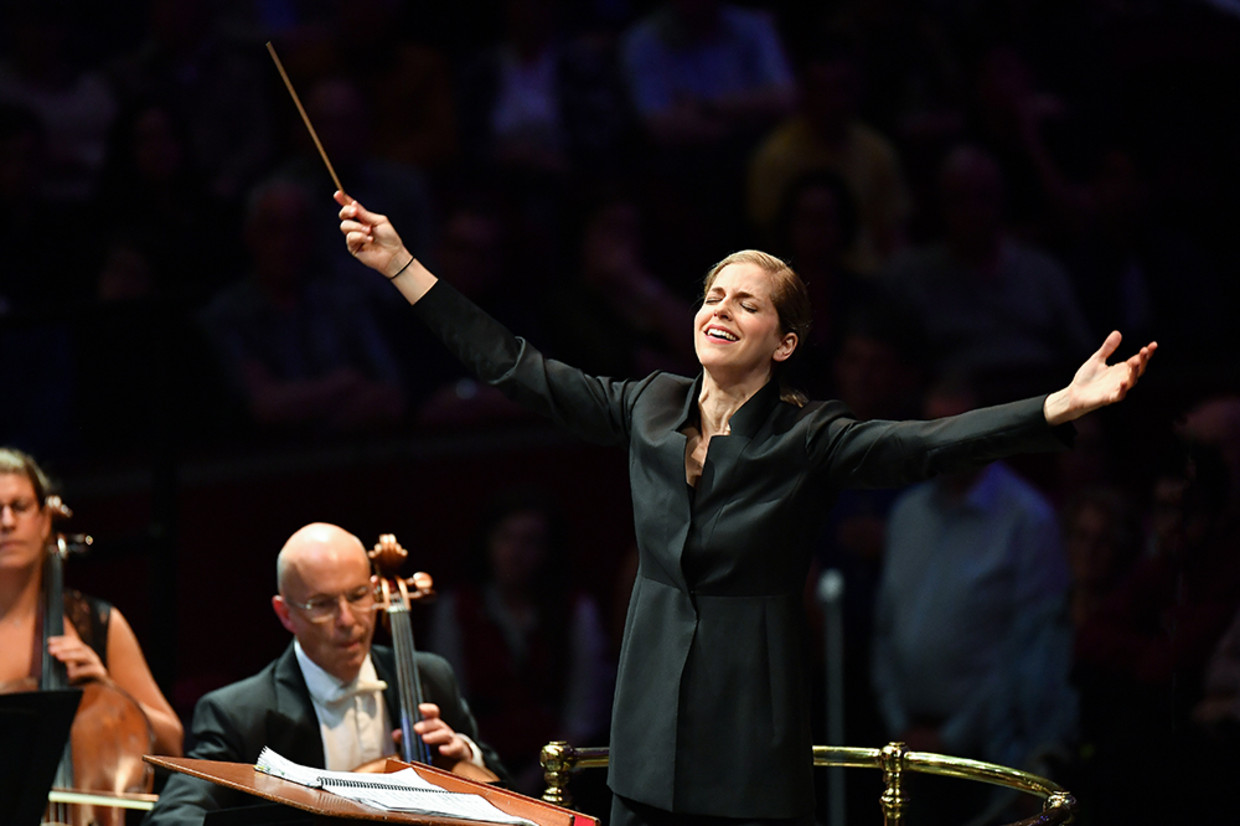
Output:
x,y
388,556
395,597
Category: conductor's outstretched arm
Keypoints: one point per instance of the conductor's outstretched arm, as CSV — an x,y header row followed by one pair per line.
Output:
x,y
373,240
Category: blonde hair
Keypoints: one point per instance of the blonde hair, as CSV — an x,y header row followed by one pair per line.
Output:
x,y
18,463
788,294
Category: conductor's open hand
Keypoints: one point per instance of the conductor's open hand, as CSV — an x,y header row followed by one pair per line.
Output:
x,y
370,237
1096,383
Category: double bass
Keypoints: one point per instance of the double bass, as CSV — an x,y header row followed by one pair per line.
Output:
x,y
110,731
395,597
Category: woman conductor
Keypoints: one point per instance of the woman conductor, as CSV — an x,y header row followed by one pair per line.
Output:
x,y
730,476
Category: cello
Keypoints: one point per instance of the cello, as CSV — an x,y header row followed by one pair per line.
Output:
x,y
110,731
395,597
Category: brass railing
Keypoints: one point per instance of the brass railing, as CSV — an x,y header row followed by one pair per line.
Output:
x,y
560,760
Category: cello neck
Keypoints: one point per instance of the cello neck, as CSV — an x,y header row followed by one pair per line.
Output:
x,y
395,597
412,747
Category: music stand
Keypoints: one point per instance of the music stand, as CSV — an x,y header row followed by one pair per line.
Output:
x,y
260,813
34,729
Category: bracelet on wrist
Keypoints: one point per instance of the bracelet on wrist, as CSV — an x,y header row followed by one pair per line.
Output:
x,y
402,269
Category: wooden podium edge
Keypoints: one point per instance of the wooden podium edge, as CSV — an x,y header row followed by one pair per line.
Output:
x,y
245,778
505,800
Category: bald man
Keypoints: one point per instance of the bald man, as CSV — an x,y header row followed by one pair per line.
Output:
x,y
323,702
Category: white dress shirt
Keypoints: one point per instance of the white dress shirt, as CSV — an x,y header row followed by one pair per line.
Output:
x,y
353,718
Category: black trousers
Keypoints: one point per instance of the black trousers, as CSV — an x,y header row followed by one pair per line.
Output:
x,y
625,812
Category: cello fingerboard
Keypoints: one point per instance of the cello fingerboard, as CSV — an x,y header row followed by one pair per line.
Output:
x,y
412,747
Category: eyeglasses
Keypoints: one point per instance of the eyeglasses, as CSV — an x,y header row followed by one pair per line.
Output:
x,y
325,608
20,507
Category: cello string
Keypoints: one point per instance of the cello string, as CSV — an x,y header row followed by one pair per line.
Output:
x,y
407,674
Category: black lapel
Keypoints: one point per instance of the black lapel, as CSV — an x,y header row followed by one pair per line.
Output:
x,y
723,456
292,726
667,504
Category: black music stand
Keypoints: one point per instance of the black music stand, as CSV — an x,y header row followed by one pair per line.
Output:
x,y
34,728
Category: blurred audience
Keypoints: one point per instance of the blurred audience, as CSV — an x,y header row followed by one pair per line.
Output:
x,y
543,101
151,169
1215,735
706,79
1034,134
397,54
874,371
989,304
1215,421
542,112
813,231
1134,272
618,318
476,254
972,645
74,103
530,652
703,72
218,87
150,275
1218,710
1188,579
36,299
1142,656
1102,536
302,353
31,279
826,134
344,122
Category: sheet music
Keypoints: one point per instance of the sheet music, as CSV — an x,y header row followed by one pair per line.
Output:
x,y
403,791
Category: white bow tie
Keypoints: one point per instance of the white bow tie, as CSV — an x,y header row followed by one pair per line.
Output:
x,y
358,688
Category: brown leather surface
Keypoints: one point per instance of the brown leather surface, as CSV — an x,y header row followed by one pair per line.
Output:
x,y
244,777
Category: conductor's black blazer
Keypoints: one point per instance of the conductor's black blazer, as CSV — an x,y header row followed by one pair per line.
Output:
x,y
711,713
273,708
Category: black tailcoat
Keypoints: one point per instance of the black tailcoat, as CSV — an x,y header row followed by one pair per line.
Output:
x,y
273,708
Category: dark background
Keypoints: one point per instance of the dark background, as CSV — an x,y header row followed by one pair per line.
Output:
x,y
188,501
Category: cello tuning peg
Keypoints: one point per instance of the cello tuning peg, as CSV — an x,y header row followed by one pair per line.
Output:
x,y
419,587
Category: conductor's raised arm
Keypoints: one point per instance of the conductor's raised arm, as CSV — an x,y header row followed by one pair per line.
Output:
x,y
1096,383
373,240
